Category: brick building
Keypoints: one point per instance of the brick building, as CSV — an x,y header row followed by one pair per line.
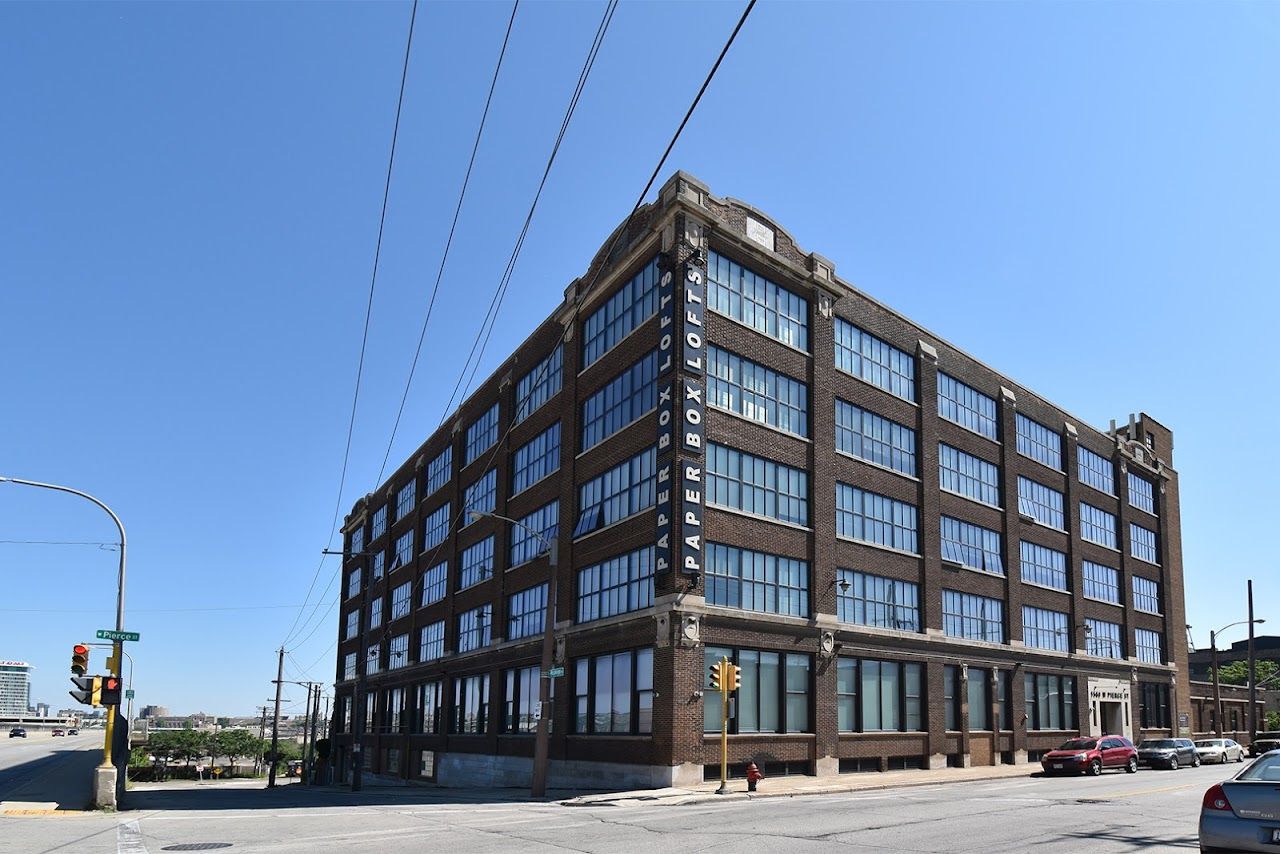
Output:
x,y
914,560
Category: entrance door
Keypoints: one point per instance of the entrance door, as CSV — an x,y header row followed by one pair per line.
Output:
x,y
1112,716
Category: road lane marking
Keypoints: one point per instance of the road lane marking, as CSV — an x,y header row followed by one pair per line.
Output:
x,y
1137,793
129,839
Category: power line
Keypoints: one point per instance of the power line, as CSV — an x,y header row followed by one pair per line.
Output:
x,y
105,546
608,252
466,180
150,610
495,305
368,312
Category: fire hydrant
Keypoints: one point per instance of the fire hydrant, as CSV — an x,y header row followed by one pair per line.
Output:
x,y
753,776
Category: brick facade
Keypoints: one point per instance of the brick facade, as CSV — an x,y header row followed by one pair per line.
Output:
x,y
682,228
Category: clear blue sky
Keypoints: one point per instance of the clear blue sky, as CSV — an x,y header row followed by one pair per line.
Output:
x,y
189,197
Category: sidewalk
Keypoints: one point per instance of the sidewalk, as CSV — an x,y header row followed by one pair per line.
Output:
x,y
787,787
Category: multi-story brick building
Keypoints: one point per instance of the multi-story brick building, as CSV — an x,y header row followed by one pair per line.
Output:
x,y
914,560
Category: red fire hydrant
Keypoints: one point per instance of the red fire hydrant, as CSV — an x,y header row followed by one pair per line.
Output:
x,y
753,776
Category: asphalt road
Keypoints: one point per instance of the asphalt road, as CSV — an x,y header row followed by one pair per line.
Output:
x,y
50,772
1148,811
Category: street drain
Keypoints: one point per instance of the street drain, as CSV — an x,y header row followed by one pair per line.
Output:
x,y
196,846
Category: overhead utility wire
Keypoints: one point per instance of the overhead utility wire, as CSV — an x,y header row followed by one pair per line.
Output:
x,y
368,311
582,293
427,319
449,241
495,305
588,63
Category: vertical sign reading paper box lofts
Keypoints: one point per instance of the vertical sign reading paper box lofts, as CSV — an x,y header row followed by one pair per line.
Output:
x,y
681,400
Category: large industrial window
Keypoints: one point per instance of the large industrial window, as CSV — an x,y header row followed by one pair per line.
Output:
x,y
471,704
873,518
966,406
774,696
625,398
872,600
1040,502
613,693
967,475
616,586
879,695
1039,442
1042,565
539,385
1051,701
740,481
482,434
622,491
965,615
525,546
878,362
633,304
971,545
755,392
878,440
536,459
755,581
1096,471
754,301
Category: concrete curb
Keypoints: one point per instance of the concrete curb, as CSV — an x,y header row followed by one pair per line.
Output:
x,y
687,797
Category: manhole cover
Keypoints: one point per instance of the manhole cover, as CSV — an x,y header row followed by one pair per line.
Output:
x,y
196,846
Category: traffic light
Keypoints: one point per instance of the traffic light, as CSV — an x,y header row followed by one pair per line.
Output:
x,y
80,659
717,676
109,690
735,682
90,688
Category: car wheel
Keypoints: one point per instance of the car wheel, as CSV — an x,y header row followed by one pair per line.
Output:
x,y
1132,766
1195,762
1173,764
1239,757
1095,768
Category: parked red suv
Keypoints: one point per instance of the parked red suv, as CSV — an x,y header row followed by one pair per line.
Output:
x,y
1091,755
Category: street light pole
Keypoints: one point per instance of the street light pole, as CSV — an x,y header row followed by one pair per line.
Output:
x,y
102,796
1253,687
1213,649
541,746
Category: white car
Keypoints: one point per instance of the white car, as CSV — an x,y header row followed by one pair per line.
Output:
x,y
1219,750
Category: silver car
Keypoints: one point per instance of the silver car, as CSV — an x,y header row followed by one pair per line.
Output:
x,y
1219,750
1243,812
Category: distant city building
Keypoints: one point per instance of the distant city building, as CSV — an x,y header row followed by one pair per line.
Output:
x,y
42,710
154,712
15,687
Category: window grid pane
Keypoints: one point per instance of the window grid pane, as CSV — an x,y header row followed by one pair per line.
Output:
x,y
878,362
622,491
1044,629
1142,494
633,304
968,475
480,496
1149,646
966,406
539,385
1097,526
1103,639
1039,442
754,301
1101,582
1044,566
400,604
476,564
1040,502
524,545
626,397
618,585
972,546
755,581
753,391
965,615
1146,595
435,583
873,518
482,434
405,499
439,470
1142,544
878,440
1096,471
432,643
527,612
435,527
873,600
739,481
474,629
536,459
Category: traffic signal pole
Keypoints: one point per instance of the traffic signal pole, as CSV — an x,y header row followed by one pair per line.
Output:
x,y
105,777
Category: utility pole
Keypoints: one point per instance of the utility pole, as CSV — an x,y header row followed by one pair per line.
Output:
x,y
1253,688
1217,688
311,763
325,721
306,719
262,733
275,724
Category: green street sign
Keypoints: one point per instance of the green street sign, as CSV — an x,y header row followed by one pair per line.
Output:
x,y
108,634
128,694
555,672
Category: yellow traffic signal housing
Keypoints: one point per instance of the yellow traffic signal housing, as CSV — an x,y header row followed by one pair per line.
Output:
x,y
736,681
89,690
108,691
80,659
717,676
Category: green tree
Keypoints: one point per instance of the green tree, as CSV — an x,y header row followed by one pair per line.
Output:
x,y
1273,721
235,744
1237,672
